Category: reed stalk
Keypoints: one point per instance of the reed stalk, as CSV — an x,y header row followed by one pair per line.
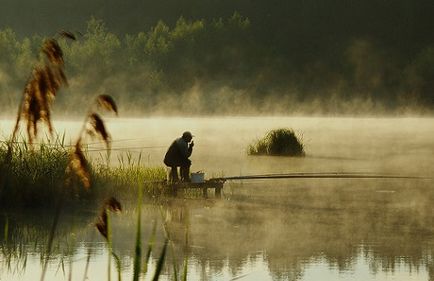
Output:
x,y
109,246
186,242
138,246
172,248
104,227
86,268
151,243
52,233
160,262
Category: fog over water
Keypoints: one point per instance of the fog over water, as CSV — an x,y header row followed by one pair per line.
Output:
x,y
294,229
390,145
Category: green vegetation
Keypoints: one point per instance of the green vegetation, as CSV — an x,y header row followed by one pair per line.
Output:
x,y
39,176
277,142
35,177
232,57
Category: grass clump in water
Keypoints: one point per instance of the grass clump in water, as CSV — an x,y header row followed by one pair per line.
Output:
x,y
279,142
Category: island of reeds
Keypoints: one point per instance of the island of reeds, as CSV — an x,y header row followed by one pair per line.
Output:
x,y
278,142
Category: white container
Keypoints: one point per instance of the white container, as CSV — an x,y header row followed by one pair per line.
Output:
x,y
198,177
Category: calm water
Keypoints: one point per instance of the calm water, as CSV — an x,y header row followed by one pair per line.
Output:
x,y
306,229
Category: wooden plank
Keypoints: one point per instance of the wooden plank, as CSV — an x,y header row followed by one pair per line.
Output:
x,y
206,184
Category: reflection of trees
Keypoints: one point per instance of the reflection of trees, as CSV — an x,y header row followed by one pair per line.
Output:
x,y
25,235
336,225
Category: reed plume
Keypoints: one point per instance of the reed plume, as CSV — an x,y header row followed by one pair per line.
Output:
x,y
67,34
93,126
111,204
99,129
107,102
41,89
104,227
78,166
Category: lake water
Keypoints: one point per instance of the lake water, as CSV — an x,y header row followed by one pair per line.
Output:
x,y
293,229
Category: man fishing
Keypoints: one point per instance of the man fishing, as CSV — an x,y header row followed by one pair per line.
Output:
x,y
177,156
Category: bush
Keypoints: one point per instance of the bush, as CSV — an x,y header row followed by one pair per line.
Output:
x,y
278,142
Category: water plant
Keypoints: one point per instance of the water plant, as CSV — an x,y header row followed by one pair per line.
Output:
x,y
78,167
93,126
35,177
39,92
276,142
138,245
41,88
104,227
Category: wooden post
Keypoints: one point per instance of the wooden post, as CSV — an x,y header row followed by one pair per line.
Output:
x,y
218,191
174,189
204,192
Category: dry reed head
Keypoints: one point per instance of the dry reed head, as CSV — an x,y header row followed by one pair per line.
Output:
x,y
94,127
95,124
53,51
111,204
98,128
67,34
101,225
78,166
107,102
36,106
41,89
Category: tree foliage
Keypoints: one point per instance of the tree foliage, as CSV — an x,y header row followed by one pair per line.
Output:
x,y
225,59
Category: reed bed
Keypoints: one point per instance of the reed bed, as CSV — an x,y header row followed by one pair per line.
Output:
x,y
35,176
52,174
279,142
31,176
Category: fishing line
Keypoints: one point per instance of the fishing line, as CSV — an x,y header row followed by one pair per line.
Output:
x,y
354,175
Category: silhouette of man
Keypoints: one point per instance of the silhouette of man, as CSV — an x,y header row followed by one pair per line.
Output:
x,y
177,156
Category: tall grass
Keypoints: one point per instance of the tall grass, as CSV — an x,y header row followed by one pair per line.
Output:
x,y
124,181
279,142
35,177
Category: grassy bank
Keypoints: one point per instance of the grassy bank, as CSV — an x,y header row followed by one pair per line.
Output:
x,y
35,177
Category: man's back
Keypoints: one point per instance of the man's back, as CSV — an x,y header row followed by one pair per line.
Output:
x,y
177,153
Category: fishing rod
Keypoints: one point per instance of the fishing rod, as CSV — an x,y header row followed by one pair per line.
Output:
x,y
332,175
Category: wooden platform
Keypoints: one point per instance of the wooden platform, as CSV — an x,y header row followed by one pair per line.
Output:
x,y
217,185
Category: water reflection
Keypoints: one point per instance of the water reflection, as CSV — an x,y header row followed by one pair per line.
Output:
x,y
281,231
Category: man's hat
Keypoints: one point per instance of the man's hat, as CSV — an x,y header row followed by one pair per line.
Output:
x,y
187,134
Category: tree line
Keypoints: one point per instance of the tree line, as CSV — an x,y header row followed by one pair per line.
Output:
x,y
211,66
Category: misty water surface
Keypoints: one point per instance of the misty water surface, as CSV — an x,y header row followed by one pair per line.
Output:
x,y
305,229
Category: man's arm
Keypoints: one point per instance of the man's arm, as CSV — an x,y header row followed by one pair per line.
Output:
x,y
184,148
190,149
